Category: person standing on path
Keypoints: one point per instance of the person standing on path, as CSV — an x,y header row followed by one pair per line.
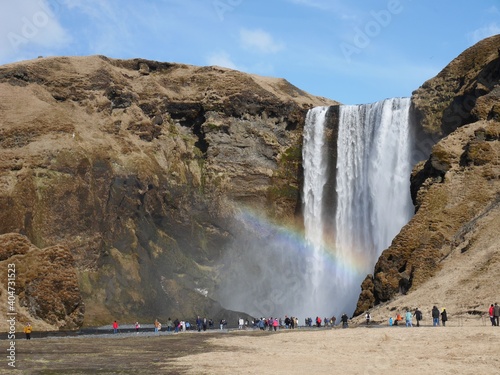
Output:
x,y
275,324
496,313
418,316
444,317
435,316
408,317
491,313
115,327
177,324
157,325
344,320
27,330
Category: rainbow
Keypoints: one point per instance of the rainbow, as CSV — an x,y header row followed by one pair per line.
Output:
x,y
348,262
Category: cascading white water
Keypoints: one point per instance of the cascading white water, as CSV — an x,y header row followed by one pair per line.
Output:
x,y
372,190
315,177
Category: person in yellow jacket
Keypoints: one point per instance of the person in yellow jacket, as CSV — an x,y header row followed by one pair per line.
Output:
x,y
27,330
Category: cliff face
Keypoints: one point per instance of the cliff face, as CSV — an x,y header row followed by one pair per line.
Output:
x,y
137,167
456,192
464,92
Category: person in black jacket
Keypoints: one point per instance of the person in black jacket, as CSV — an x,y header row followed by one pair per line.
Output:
x,y
496,314
435,316
444,317
176,325
344,320
418,316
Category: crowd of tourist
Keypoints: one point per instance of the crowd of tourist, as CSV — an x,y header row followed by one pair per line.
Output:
x,y
439,318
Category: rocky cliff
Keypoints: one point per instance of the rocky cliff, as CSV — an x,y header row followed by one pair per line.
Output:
x,y
45,281
449,252
464,92
128,174
122,181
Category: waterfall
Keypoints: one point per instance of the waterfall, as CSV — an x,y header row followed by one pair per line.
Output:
x,y
315,177
352,210
372,192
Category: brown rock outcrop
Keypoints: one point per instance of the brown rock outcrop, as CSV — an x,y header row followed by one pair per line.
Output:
x,y
46,284
465,91
136,166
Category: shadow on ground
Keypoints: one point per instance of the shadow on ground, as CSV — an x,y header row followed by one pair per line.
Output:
x,y
112,354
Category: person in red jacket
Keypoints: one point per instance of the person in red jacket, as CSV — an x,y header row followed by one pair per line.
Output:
x,y
492,314
115,327
318,321
275,324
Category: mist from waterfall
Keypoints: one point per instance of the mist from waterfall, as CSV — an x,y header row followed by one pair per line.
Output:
x,y
352,210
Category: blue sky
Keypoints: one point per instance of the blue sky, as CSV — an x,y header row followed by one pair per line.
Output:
x,y
352,51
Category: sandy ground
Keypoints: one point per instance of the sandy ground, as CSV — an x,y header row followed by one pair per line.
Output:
x,y
377,350
355,351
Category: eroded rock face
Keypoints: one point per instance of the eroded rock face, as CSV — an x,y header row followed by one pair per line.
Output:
x,y
138,166
465,91
460,181
46,283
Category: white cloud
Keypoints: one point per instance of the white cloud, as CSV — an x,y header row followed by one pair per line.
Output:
x,y
222,59
260,41
26,27
484,32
